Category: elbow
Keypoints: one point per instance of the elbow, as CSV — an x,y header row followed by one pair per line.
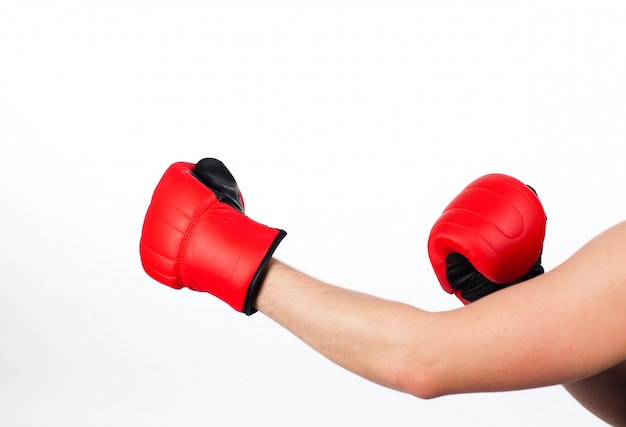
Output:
x,y
422,389
424,394
418,365
421,380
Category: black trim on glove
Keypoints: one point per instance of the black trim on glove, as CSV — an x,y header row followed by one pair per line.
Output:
x,y
464,277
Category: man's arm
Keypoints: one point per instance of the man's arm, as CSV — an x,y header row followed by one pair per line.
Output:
x,y
560,327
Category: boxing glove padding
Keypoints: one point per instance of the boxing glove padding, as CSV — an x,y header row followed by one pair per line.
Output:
x,y
196,235
490,236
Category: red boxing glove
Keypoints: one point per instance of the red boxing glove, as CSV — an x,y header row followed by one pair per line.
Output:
x,y
196,235
489,237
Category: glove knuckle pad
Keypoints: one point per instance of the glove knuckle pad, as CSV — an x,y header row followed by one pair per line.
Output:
x,y
497,223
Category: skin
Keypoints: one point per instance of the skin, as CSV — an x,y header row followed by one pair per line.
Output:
x,y
567,326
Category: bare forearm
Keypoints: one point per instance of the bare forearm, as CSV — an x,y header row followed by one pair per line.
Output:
x,y
486,346
364,334
557,328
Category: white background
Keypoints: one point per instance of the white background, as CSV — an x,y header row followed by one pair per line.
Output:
x,y
350,124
